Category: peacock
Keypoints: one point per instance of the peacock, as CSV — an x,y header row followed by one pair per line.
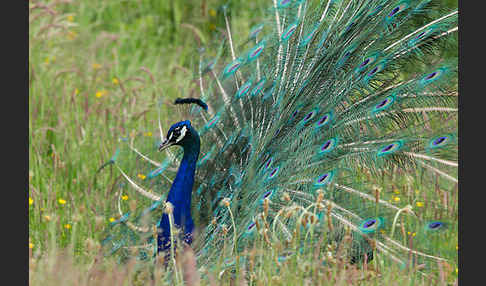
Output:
x,y
331,117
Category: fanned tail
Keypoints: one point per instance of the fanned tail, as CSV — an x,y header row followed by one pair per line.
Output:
x,y
339,115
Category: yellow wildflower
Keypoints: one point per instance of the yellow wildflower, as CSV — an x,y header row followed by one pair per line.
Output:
x,y
96,66
115,81
70,18
419,204
142,176
457,247
31,245
396,191
124,197
46,61
111,219
411,233
417,192
396,199
212,12
62,201
100,93
148,134
31,201
67,226
457,270
76,91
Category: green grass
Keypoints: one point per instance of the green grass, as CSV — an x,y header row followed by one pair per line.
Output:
x,y
96,69
127,53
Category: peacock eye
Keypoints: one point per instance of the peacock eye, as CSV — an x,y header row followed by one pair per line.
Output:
x,y
371,225
435,226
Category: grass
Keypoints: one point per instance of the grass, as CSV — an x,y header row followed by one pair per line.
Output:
x,y
96,69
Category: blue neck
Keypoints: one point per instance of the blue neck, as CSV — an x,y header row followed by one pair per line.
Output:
x,y
181,189
180,196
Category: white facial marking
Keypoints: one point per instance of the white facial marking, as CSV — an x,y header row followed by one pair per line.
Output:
x,y
183,133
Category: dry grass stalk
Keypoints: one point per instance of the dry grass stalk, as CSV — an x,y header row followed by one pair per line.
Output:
x,y
189,267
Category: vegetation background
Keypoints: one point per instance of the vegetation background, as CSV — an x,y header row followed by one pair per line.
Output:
x,y
96,69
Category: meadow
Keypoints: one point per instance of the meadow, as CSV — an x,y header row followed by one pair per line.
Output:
x,y
96,71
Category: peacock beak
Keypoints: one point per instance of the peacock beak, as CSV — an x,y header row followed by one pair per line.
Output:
x,y
165,144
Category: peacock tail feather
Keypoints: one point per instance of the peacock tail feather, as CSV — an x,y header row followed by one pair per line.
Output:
x,y
332,117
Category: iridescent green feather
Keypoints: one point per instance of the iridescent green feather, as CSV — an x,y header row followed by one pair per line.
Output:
x,y
322,103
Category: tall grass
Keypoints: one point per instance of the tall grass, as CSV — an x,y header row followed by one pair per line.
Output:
x,y
96,69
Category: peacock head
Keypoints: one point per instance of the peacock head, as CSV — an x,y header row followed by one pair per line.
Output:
x,y
181,134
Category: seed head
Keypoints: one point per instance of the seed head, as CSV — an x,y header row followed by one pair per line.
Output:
x,y
285,197
225,202
224,229
265,206
320,196
169,208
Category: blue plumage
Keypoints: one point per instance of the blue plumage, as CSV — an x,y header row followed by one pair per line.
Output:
x,y
184,135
